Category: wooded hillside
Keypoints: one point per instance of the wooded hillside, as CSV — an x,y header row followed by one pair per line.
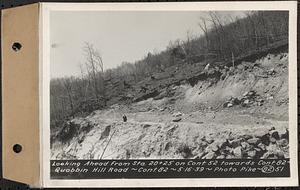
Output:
x,y
223,40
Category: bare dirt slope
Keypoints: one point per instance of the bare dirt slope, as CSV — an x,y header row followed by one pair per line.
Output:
x,y
242,115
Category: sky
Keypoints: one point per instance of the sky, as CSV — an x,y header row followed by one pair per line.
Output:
x,y
123,36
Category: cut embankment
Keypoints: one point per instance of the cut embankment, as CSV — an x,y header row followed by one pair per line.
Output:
x,y
243,115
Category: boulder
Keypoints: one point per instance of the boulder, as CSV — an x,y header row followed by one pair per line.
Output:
x,y
262,146
237,152
272,140
280,154
235,101
272,148
209,155
162,109
245,145
253,141
199,155
251,153
274,134
177,119
221,157
265,139
258,133
265,155
285,135
212,148
229,156
246,101
245,94
283,142
235,143
229,105
251,93
224,143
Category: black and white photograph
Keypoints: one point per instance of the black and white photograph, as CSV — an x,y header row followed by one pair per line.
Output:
x,y
197,85
167,85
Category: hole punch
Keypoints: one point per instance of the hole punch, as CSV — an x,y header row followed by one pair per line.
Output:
x,y
16,46
17,148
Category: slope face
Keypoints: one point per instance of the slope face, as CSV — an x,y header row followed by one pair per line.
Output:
x,y
241,114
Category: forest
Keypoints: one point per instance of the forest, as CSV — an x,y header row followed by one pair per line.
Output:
x,y
222,40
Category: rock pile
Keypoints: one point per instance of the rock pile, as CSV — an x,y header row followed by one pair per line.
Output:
x,y
251,98
269,145
248,98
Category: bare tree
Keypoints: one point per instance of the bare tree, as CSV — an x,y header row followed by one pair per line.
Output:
x,y
249,16
203,25
67,83
204,28
95,69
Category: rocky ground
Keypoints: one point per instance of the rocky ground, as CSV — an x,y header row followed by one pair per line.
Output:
x,y
244,114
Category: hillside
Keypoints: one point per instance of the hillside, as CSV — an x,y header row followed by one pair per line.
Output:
x,y
225,41
189,112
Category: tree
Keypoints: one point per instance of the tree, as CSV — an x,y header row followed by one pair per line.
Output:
x,y
67,83
95,70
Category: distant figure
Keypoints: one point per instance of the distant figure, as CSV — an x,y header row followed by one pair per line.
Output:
x,y
124,118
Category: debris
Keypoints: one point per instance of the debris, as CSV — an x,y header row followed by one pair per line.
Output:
x,y
248,98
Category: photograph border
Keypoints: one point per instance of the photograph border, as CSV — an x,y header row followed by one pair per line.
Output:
x,y
46,8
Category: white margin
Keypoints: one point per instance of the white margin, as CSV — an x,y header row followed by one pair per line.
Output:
x,y
46,8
